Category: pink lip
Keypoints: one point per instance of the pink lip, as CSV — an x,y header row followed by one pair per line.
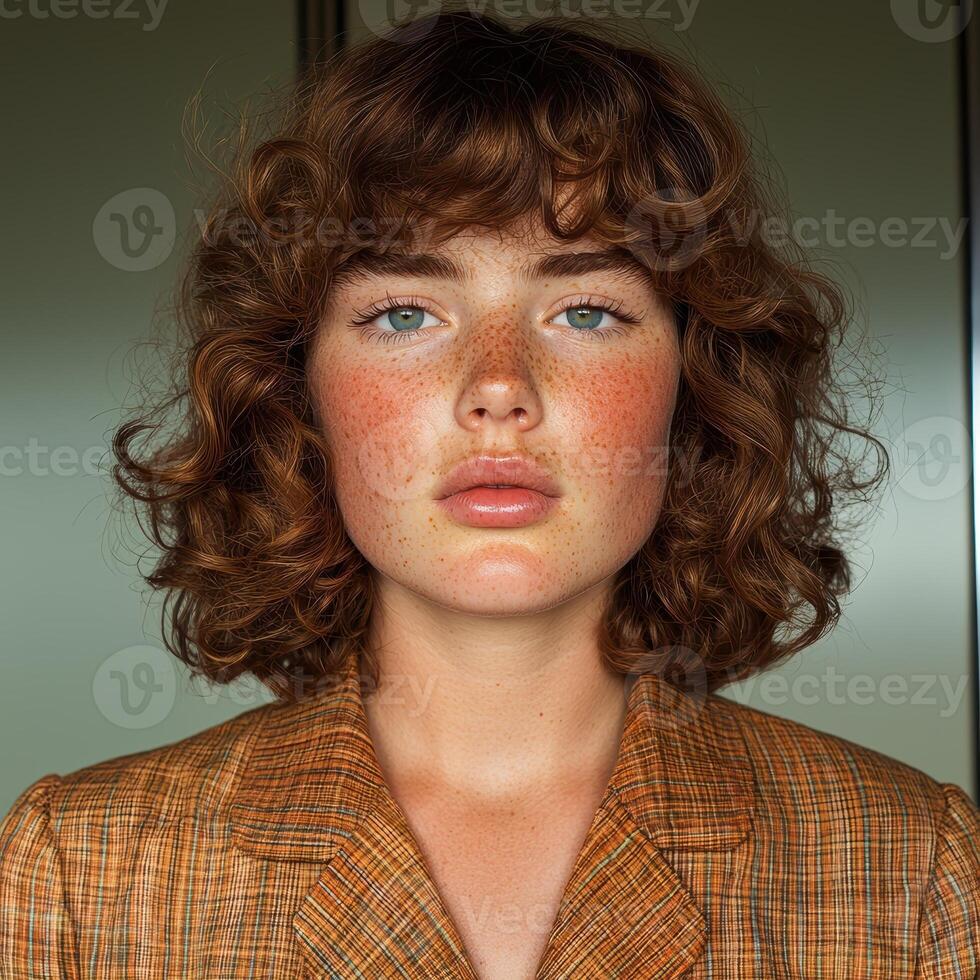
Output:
x,y
498,491
498,506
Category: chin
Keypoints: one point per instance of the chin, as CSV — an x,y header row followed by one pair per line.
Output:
x,y
509,581
509,599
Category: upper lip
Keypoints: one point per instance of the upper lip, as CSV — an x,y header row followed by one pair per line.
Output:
x,y
513,470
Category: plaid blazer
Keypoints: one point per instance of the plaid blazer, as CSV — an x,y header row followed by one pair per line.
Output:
x,y
730,844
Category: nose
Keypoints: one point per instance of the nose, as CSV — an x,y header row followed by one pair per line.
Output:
x,y
500,393
499,403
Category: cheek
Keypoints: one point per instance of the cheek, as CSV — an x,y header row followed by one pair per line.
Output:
x,y
617,427
381,434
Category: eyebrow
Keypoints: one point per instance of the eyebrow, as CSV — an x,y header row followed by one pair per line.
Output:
x,y
371,263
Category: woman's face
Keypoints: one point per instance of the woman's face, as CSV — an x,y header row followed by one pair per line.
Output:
x,y
494,344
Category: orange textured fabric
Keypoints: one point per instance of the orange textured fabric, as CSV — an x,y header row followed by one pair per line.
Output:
x,y
730,843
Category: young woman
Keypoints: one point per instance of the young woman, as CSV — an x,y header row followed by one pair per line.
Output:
x,y
505,438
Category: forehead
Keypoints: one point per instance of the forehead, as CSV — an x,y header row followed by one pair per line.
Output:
x,y
527,253
526,237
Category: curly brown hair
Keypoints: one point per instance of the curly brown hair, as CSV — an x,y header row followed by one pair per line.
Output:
x,y
458,120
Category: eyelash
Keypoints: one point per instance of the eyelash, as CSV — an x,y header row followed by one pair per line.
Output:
x,y
364,317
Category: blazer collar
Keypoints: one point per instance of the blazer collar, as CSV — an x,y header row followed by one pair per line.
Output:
x,y
312,791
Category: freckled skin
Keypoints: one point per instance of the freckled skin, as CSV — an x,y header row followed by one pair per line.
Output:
x,y
496,374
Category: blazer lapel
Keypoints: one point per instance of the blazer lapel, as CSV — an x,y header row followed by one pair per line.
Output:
x,y
313,792
625,912
682,781
374,910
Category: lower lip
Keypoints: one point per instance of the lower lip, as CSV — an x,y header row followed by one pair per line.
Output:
x,y
498,506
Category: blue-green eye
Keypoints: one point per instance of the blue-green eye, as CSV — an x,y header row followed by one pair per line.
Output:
x,y
583,317
395,321
407,318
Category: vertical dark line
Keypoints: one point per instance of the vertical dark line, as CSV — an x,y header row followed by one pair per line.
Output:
x,y
300,27
321,31
969,84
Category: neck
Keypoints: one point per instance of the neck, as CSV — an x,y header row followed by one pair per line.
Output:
x,y
493,707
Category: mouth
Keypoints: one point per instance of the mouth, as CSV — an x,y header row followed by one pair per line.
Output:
x,y
489,491
498,506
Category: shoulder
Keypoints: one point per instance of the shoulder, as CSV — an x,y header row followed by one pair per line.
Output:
x,y
194,775
818,776
868,832
64,832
